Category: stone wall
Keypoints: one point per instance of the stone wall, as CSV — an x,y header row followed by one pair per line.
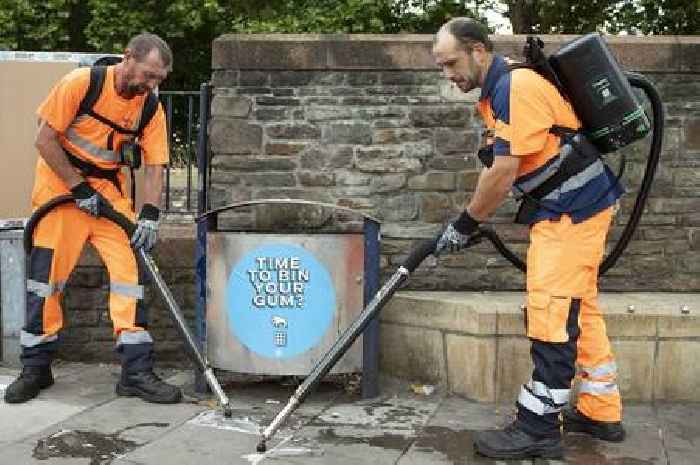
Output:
x,y
367,122
474,344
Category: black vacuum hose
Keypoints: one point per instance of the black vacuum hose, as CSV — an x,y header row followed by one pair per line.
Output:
x,y
37,215
28,238
640,82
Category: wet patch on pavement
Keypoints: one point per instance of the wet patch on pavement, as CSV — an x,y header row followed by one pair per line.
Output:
x,y
396,415
580,449
383,440
100,448
455,445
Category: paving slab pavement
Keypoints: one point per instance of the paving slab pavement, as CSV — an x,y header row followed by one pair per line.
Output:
x,y
80,420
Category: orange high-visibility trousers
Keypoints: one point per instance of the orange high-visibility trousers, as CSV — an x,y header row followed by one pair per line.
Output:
x,y
565,326
58,241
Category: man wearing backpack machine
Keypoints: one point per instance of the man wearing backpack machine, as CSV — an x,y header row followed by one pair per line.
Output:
x,y
93,122
531,128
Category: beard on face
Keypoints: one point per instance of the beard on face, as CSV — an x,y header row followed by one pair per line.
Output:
x,y
465,85
469,81
131,88
136,89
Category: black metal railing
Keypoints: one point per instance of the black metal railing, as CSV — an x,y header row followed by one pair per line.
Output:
x,y
186,116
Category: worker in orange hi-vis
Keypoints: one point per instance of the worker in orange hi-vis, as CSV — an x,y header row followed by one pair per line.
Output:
x,y
93,122
530,129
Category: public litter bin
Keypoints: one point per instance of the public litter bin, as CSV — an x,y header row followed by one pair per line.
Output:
x,y
274,299
12,289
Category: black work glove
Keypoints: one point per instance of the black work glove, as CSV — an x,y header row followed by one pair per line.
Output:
x,y
457,235
146,232
88,199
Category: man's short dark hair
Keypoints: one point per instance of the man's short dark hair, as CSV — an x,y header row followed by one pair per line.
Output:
x,y
142,44
469,31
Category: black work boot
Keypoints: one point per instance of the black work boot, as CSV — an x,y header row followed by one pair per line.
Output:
x,y
514,443
577,422
149,387
28,384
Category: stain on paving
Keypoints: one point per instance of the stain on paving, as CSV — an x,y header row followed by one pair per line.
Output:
x,y
385,440
582,450
396,415
100,448
456,445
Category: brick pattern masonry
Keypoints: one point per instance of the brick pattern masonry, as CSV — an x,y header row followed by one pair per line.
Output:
x,y
385,134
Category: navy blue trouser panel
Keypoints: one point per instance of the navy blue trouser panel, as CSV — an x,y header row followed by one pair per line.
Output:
x,y
40,355
141,310
554,366
39,269
135,358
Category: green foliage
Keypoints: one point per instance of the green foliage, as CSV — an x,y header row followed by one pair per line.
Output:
x,y
568,16
190,26
612,16
36,25
681,17
353,16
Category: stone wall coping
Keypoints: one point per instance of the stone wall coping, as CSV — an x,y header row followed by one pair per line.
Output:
x,y
177,231
491,313
290,52
652,303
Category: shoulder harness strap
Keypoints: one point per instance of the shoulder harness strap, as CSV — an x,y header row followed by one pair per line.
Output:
x,y
536,60
150,107
97,80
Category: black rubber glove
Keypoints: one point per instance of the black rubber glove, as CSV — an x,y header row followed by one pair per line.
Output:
x,y
457,234
146,233
88,199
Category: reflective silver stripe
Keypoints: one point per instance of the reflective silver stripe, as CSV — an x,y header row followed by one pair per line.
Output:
x,y
530,184
129,290
31,340
607,369
134,337
535,405
598,388
558,396
575,182
40,289
43,289
89,147
594,170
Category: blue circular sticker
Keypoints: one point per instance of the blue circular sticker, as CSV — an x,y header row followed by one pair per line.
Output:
x,y
280,300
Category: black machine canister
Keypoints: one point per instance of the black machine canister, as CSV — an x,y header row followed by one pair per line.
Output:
x,y
600,93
